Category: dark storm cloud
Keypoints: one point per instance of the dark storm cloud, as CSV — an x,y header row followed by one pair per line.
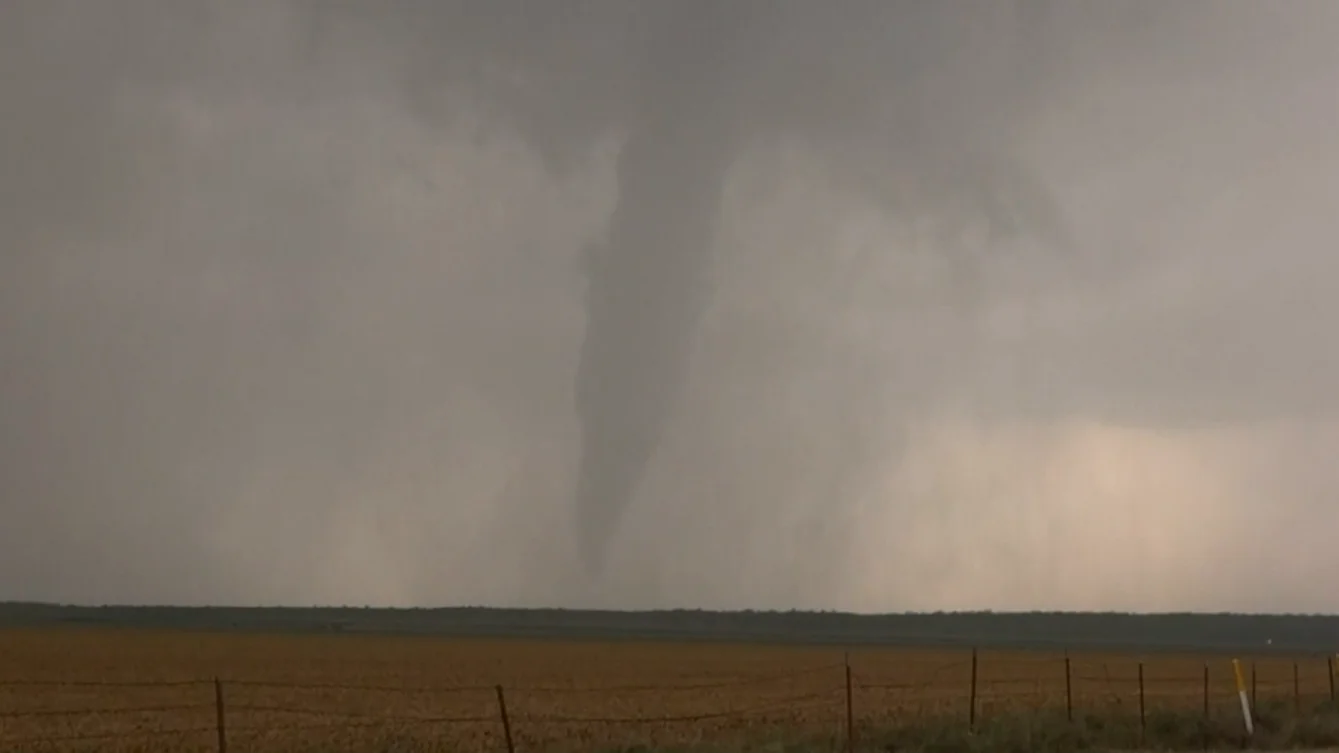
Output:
x,y
979,307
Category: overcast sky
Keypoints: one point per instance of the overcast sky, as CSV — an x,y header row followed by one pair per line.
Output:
x,y
291,309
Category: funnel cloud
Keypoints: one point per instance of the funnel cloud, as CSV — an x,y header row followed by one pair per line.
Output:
x,y
647,282
861,305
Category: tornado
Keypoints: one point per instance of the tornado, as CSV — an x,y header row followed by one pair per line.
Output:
x,y
648,282
694,100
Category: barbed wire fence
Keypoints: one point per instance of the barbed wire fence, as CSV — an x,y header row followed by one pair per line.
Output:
x,y
214,706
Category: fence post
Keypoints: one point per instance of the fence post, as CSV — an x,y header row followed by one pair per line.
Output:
x,y
220,721
971,697
1246,707
506,721
1329,665
1143,715
1204,738
850,709
1069,689
1297,688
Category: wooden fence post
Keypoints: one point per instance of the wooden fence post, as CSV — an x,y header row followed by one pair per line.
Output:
x,y
1205,736
1297,688
506,721
1069,689
850,709
1143,712
1329,665
219,720
971,696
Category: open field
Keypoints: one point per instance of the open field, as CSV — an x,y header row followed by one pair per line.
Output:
x,y
1279,633
356,692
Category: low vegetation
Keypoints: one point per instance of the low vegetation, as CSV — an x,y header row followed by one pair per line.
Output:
x,y
127,690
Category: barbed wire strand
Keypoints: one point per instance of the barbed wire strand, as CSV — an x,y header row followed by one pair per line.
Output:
x,y
276,709
721,684
104,683
1134,679
1016,660
810,701
104,711
921,686
1014,682
407,689
933,678
784,704
742,682
342,725
89,737
791,703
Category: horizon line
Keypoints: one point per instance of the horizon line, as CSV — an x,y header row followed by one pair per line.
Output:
x,y
663,610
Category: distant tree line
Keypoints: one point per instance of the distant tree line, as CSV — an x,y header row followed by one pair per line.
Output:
x,y
1078,630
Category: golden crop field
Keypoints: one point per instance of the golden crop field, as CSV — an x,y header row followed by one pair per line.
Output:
x,y
120,690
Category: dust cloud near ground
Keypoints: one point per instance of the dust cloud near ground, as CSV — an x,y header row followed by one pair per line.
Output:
x,y
883,306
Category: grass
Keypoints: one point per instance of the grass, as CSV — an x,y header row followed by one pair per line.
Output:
x,y
1166,729
351,693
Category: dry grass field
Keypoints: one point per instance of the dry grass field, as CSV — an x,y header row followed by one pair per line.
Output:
x,y
110,690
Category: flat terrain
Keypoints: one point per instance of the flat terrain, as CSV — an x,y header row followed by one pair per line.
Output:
x,y
1031,630
81,688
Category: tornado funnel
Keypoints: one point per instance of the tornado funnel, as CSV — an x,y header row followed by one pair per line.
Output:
x,y
648,282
